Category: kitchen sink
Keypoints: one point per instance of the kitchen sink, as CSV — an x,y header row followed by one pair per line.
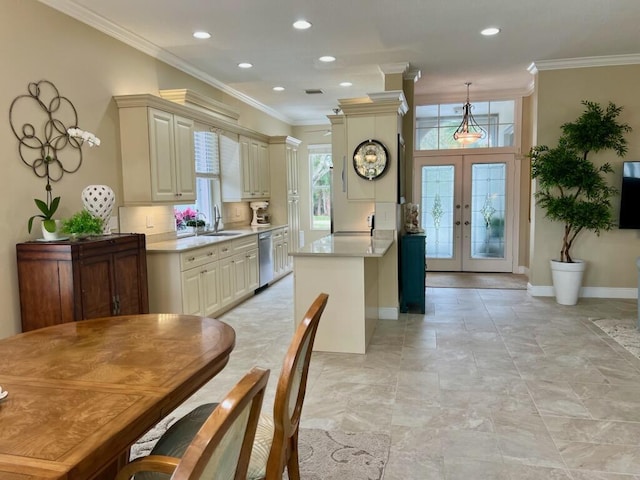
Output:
x,y
222,234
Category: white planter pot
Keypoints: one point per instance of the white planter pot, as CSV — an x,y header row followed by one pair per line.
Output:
x,y
567,280
49,236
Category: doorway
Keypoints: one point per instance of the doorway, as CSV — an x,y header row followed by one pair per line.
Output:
x,y
468,209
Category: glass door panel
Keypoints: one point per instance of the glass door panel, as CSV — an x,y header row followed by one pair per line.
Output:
x,y
466,211
438,210
488,210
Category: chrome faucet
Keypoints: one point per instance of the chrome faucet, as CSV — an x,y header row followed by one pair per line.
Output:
x,y
216,217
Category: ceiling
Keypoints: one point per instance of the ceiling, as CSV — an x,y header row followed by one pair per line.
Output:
x,y
438,38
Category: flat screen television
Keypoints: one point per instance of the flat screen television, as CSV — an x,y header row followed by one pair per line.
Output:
x,y
630,196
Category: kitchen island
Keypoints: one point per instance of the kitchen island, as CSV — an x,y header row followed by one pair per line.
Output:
x,y
346,268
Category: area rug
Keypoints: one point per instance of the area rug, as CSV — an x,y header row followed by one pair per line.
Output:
x,y
476,280
324,455
623,331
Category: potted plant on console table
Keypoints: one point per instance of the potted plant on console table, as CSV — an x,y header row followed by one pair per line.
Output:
x,y
574,191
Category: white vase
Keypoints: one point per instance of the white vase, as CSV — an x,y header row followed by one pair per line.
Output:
x,y
99,200
567,280
50,236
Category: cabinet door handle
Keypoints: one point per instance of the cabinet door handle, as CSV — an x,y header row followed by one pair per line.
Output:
x,y
467,222
116,305
209,254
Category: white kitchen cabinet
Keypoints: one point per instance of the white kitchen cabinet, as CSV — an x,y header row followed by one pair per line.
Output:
x,y
288,261
157,152
293,212
239,269
246,174
281,261
185,282
291,158
201,290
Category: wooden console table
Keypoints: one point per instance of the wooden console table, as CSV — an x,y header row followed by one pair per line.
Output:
x,y
81,393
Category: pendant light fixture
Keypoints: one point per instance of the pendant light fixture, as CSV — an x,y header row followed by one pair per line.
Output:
x,y
468,131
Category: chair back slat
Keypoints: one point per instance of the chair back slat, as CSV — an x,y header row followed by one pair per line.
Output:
x,y
222,447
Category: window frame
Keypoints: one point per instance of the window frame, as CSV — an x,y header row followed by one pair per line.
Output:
x,y
319,149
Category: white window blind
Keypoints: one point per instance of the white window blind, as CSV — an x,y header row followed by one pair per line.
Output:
x,y
207,153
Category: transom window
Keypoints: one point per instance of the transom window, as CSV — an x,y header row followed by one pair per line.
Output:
x,y
435,125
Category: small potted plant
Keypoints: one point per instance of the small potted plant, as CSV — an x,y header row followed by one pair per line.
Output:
x,y
82,224
49,225
188,219
573,190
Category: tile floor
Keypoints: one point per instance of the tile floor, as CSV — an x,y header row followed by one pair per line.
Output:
x,y
488,384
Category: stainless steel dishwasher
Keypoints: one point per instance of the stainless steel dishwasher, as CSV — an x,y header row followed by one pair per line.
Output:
x,y
265,257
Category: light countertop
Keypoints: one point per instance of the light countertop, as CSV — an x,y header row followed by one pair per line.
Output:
x,y
345,246
182,244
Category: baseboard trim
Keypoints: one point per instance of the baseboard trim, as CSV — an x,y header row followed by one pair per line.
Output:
x,y
388,313
585,292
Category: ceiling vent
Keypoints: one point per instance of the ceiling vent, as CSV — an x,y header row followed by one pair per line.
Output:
x,y
313,91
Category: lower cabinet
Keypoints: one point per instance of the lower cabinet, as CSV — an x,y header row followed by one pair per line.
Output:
x,y
239,270
68,281
201,290
412,272
211,278
282,263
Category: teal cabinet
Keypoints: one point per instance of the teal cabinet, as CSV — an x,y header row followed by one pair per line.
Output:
x,y
412,272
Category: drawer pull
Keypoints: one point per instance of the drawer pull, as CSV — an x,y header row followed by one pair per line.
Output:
x,y
191,259
209,254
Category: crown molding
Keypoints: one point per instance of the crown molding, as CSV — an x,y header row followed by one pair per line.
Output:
x,y
394,68
86,16
380,102
185,96
413,74
583,62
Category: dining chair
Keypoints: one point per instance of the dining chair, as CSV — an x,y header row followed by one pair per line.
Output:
x,y
276,441
221,448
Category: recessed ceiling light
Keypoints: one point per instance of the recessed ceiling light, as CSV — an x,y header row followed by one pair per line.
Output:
x,y
301,25
278,89
327,59
202,35
245,65
487,32
345,84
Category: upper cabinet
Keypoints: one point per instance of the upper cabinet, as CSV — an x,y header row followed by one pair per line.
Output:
x,y
158,158
245,169
157,151
172,161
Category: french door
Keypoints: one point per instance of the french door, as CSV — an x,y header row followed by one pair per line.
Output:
x,y
467,211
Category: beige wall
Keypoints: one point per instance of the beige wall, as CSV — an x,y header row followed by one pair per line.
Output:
x,y
611,256
89,68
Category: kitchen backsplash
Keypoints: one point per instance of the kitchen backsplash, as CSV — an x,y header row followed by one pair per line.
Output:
x,y
159,220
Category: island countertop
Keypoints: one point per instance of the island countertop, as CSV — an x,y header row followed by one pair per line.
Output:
x,y
345,246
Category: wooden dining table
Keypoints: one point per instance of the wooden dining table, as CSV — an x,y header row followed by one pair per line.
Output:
x,y
81,393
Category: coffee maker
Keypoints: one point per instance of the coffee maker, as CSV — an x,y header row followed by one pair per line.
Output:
x,y
260,216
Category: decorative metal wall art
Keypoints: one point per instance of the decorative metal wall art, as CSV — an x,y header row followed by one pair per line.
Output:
x,y
45,123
